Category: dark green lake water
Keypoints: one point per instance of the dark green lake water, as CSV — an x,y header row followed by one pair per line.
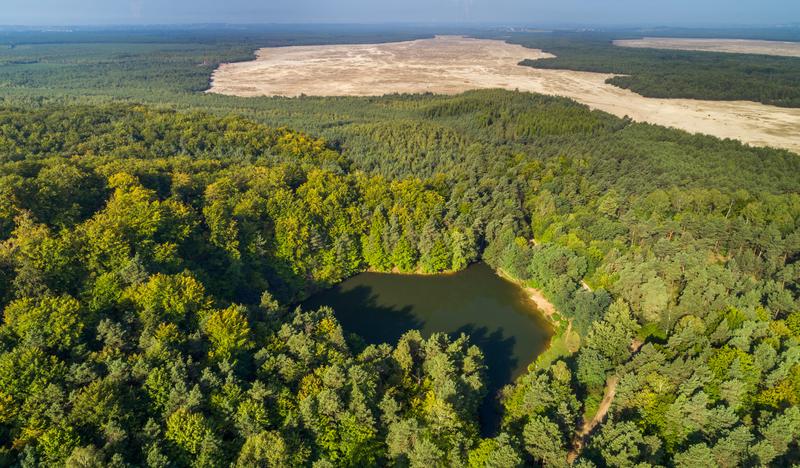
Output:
x,y
497,314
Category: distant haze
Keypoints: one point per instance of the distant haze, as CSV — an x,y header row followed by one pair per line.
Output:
x,y
542,12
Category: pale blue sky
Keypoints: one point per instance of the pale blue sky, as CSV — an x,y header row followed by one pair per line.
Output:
x,y
630,12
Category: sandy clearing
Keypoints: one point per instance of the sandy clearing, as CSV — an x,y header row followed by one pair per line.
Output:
x,y
736,46
451,65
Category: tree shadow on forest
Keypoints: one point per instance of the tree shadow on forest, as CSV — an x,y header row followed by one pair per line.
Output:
x,y
498,352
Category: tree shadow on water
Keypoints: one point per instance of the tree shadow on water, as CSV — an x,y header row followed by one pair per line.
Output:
x,y
359,312
498,352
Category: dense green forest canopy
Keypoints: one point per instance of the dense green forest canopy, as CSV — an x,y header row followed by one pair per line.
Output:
x,y
149,260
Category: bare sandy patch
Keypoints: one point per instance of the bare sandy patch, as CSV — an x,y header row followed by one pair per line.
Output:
x,y
542,303
736,46
537,296
451,65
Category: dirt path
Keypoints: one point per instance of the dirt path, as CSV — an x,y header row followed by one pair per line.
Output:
x,y
450,65
609,392
579,439
735,46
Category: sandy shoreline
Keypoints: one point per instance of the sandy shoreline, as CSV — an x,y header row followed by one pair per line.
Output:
x,y
546,307
452,64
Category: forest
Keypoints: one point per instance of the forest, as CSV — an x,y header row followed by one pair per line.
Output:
x,y
154,243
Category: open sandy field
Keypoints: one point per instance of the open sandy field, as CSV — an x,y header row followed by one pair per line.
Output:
x,y
452,65
737,46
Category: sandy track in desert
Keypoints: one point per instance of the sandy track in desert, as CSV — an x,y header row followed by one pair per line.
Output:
x,y
450,65
736,46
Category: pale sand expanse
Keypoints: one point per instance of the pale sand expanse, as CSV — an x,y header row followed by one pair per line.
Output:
x,y
737,46
450,65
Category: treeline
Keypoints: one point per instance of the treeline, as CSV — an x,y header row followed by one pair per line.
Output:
x,y
148,258
659,73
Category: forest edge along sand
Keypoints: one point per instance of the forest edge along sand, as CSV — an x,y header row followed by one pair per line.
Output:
x,y
454,64
733,46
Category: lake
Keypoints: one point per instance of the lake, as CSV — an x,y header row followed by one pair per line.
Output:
x,y
497,314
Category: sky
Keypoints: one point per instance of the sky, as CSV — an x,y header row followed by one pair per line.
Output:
x,y
518,12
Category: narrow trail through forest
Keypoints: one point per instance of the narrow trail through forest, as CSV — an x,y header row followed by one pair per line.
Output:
x,y
610,391
588,426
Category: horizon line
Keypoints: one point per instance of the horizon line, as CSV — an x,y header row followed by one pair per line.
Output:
x,y
474,23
